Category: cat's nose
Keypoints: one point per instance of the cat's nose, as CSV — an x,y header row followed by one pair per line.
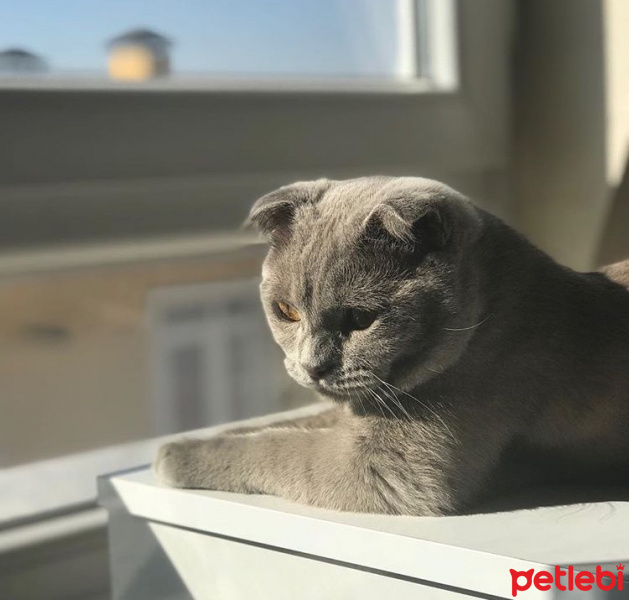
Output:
x,y
318,370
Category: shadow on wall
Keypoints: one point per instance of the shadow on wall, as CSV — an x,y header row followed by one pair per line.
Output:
x,y
614,245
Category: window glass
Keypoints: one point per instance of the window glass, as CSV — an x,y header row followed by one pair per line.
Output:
x,y
137,39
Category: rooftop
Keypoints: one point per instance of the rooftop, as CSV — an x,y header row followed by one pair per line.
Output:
x,y
141,36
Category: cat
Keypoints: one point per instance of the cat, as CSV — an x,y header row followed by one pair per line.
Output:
x,y
456,356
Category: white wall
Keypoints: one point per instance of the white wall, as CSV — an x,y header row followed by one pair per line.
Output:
x,y
616,23
560,128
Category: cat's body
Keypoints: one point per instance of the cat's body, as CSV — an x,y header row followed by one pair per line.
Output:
x,y
460,357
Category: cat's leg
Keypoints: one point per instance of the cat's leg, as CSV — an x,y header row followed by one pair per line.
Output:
x,y
352,468
321,420
314,467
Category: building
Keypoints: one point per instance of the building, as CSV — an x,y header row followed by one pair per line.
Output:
x,y
16,61
138,55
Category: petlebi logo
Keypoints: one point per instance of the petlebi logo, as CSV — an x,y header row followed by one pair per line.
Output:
x,y
566,579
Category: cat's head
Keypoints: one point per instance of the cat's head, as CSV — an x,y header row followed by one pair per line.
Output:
x,y
365,284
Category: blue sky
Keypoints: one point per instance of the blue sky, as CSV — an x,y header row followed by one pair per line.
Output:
x,y
328,37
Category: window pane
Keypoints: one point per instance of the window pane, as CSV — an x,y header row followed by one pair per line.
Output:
x,y
138,39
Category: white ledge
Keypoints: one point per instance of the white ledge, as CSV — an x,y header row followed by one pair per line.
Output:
x,y
466,553
230,85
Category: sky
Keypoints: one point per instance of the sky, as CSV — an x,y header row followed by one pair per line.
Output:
x,y
240,37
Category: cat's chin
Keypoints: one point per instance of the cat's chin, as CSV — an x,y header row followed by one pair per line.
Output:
x,y
332,392
339,396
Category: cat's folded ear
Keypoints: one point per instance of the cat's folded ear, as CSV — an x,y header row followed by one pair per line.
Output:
x,y
409,225
274,213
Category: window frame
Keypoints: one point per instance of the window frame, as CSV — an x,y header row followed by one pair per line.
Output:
x,y
428,41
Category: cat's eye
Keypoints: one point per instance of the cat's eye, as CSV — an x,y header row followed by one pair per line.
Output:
x,y
287,312
358,319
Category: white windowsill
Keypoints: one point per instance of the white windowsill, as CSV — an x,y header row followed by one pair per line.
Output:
x,y
471,552
215,85
120,252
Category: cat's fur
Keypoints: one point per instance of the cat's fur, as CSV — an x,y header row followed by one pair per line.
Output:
x,y
487,360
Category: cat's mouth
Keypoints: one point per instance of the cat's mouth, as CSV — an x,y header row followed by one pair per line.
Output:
x,y
337,392
341,387
346,389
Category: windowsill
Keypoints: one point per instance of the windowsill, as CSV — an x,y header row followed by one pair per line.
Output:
x,y
471,553
123,252
420,85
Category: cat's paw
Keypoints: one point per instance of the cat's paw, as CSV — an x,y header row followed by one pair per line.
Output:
x,y
209,464
175,464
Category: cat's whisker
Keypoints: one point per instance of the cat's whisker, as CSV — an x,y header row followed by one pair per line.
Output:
x,y
468,328
379,402
370,400
386,405
360,397
398,403
392,395
423,404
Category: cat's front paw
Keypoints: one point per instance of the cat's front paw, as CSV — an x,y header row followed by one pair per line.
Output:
x,y
211,464
176,464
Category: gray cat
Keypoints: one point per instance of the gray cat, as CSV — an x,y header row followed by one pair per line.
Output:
x,y
459,357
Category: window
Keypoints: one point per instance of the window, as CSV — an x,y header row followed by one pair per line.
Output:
x,y
188,43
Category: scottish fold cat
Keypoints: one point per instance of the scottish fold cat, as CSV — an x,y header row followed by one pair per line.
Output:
x,y
457,358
